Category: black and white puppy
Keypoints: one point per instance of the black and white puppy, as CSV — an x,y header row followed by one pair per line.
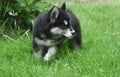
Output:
x,y
50,30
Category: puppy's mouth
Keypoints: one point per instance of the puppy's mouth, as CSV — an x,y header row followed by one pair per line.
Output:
x,y
69,33
71,37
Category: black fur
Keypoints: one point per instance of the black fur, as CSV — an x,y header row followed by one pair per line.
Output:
x,y
43,24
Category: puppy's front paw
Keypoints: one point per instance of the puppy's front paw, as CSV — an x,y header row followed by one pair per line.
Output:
x,y
46,58
51,52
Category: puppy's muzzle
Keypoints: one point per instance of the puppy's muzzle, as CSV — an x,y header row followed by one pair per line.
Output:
x,y
69,33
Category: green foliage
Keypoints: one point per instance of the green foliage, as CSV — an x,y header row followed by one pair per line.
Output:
x,y
20,13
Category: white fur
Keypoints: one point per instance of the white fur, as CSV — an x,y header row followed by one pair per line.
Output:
x,y
73,31
65,22
56,30
51,52
68,33
44,42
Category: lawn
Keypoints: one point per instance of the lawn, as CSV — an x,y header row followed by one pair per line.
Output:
x,y
99,57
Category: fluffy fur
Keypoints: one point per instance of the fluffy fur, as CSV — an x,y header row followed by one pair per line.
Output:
x,y
50,30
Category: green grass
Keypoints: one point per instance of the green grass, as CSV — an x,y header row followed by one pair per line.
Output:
x,y
99,57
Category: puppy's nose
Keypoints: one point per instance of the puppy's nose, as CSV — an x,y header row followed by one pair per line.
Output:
x,y
73,33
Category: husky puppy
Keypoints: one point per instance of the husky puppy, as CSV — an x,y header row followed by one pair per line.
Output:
x,y
50,30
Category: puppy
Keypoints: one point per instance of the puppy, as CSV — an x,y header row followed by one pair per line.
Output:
x,y
51,28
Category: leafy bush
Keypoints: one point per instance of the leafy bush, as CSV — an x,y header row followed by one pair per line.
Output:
x,y
20,13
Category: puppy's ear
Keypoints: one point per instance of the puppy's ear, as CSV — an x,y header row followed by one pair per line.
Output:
x,y
64,7
53,14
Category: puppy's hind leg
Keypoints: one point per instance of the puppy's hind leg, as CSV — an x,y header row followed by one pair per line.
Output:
x,y
38,52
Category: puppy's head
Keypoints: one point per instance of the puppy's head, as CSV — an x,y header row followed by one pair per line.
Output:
x,y
61,22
